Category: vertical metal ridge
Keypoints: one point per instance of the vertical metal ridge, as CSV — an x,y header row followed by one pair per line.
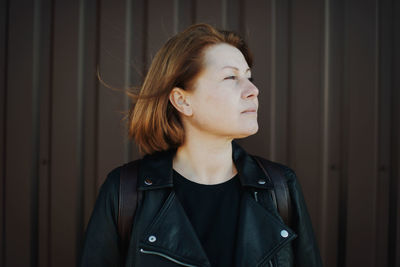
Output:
x,y
4,152
97,100
325,118
80,126
326,58
344,109
289,85
396,133
377,99
50,118
386,141
127,74
36,74
273,98
394,153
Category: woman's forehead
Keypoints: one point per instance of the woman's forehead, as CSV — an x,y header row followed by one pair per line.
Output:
x,y
224,56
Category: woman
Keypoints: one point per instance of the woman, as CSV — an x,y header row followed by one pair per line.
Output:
x,y
199,204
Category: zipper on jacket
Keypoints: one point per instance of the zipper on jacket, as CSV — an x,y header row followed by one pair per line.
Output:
x,y
167,257
270,264
255,196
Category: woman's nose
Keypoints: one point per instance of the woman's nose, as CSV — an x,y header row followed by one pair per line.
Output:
x,y
250,90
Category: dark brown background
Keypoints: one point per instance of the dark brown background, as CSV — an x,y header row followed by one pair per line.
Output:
x,y
328,72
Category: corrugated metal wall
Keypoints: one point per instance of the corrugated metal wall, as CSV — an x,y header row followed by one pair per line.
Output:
x,y
328,72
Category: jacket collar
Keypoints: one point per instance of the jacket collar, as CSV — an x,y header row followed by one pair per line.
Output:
x,y
260,235
155,170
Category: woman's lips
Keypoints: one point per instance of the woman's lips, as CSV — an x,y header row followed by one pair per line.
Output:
x,y
250,111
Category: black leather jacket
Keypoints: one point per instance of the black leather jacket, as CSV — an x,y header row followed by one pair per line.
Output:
x,y
163,236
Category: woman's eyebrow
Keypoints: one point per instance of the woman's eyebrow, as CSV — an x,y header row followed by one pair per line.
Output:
x,y
235,68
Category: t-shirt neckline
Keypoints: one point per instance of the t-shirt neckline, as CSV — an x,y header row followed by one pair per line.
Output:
x,y
188,182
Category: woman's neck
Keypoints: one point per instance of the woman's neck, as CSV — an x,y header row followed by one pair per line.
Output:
x,y
205,161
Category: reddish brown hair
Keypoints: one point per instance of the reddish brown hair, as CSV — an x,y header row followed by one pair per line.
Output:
x,y
154,123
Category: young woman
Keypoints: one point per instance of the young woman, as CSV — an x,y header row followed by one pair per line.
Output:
x,y
201,192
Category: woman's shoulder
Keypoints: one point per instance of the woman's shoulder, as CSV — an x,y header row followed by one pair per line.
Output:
x,y
110,185
274,166
112,182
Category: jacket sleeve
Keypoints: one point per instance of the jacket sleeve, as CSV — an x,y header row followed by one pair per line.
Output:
x,y
305,247
101,245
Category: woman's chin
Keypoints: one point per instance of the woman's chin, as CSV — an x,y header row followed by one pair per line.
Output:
x,y
247,132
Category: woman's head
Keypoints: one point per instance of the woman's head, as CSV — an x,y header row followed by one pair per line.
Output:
x,y
179,67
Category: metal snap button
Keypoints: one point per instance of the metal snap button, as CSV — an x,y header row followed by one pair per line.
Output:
x,y
152,238
261,181
148,182
284,233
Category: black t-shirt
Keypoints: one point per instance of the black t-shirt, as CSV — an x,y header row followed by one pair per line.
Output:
x,y
213,211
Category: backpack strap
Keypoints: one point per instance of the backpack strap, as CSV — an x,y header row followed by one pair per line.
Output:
x,y
280,194
128,201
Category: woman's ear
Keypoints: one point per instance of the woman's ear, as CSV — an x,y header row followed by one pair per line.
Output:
x,y
180,99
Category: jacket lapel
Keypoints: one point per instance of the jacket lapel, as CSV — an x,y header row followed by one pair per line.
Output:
x,y
260,234
174,235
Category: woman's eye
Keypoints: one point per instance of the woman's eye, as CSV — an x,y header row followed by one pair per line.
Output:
x,y
230,78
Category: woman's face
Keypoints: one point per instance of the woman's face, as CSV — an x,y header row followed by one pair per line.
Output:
x,y
224,101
